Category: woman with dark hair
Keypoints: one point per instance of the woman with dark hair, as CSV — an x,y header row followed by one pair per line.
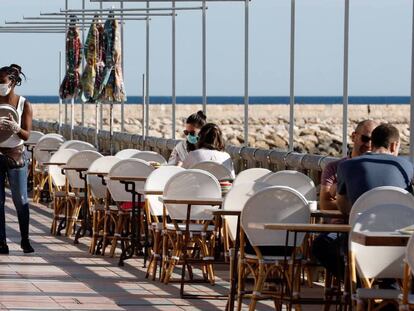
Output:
x,y
13,163
193,125
210,147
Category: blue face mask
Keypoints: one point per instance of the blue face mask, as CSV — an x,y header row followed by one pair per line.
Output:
x,y
192,139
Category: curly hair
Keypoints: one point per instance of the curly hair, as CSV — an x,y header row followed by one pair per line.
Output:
x,y
14,72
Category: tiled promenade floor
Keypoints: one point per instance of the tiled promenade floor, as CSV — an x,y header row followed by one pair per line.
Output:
x,y
64,276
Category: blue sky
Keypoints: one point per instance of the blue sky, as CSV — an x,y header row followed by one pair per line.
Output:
x,y
380,48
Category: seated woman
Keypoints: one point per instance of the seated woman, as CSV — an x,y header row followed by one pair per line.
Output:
x,y
193,125
210,147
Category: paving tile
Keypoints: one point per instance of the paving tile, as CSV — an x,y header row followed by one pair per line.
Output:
x,y
64,276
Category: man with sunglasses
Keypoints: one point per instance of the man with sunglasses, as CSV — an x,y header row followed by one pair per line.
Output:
x,y
361,139
381,167
325,246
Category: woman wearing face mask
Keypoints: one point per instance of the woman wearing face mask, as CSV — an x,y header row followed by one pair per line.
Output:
x,y
193,125
13,163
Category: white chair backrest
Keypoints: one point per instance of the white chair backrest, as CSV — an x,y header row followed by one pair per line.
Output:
x,y
46,142
149,156
55,171
191,184
156,182
409,254
54,135
235,200
126,153
127,168
383,209
100,165
81,159
34,137
79,145
251,175
218,170
293,179
276,204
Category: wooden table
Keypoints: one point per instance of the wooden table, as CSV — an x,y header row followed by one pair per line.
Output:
x,y
391,238
295,227
200,201
153,192
49,149
54,163
309,228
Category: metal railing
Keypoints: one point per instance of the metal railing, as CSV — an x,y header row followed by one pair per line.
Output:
x,y
243,157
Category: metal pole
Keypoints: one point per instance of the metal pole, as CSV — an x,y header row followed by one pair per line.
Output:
x,y
66,26
204,65
122,60
60,99
72,117
345,82
173,97
147,75
412,96
246,73
83,62
101,104
292,74
111,127
143,105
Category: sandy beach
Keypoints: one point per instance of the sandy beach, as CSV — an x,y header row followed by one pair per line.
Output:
x,y
318,128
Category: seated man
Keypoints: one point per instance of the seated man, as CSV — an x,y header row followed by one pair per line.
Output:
x,y
381,167
361,139
355,176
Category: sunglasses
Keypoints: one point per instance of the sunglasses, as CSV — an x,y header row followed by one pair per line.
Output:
x,y
365,138
189,133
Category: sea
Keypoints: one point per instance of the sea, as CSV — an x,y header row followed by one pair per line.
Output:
x,y
253,100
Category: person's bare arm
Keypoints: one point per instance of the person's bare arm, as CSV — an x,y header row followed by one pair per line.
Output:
x,y
26,123
343,204
327,198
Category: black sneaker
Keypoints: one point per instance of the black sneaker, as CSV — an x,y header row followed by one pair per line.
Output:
x,y
26,247
4,249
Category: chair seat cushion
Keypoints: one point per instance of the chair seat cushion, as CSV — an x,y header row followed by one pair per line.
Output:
x,y
372,293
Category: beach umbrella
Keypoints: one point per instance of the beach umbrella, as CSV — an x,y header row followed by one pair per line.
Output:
x,y
112,86
69,88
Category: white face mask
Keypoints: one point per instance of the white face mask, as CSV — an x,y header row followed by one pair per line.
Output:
x,y
5,89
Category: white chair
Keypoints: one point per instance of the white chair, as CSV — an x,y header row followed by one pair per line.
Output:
x,y
407,299
126,168
59,191
218,170
276,204
191,184
150,156
40,176
126,153
78,145
81,159
382,209
155,183
251,175
293,179
98,194
34,137
56,135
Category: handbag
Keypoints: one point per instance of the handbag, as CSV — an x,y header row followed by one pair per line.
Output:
x,y
13,157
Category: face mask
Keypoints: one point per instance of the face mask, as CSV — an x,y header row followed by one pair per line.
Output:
x,y
192,139
4,89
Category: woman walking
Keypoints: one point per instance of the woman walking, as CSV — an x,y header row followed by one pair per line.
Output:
x,y
13,164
